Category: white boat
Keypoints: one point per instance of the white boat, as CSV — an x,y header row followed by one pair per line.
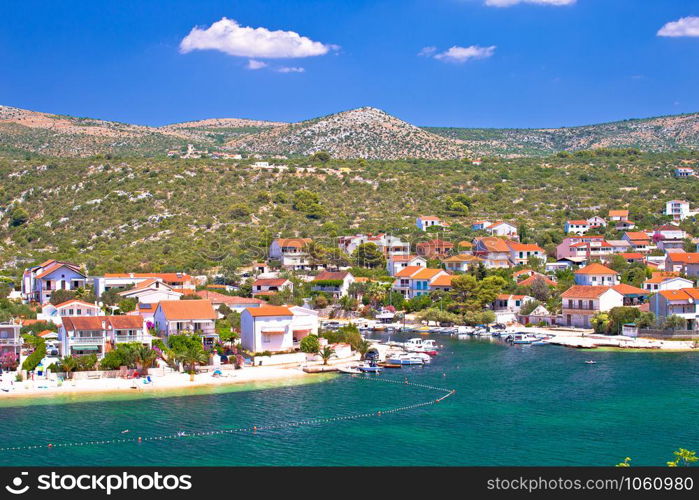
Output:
x,y
523,338
408,359
349,369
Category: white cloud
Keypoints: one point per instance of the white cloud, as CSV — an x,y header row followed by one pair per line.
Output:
x,y
287,69
686,26
427,51
462,54
509,3
255,64
233,39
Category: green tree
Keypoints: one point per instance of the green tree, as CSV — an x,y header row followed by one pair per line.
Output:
x,y
60,296
368,255
190,356
674,322
18,217
683,457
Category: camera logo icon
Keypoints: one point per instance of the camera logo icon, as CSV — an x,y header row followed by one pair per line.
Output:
x,y
16,488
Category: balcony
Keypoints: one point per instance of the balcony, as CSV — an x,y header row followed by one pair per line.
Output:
x,y
119,339
86,340
11,341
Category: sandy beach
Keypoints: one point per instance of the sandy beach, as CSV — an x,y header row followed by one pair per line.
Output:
x,y
168,381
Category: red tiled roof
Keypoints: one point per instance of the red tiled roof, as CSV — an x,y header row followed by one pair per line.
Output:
x,y
625,289
187,309
683,294
75,301
524,247
443,280
331,275
595,268
584,292
55,266
101,323
257,312
408,271
167,277
531,279
293,242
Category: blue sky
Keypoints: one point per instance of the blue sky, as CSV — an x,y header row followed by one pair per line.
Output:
x,y
521,65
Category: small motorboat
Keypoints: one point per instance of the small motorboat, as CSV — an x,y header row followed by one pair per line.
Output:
x,y
386,364
369,368
349,369
590,362
523,339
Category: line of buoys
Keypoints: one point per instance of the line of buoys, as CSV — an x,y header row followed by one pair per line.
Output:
x,y
254,429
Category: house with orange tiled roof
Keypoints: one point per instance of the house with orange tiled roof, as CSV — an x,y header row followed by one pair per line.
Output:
x,y
414,281
434,249
585,247
581,302
270,286
618,215
639,241
424,222
276,328
529,281
73,307
174,317
461,263
292,253
39,282
596,274
682,303
390,246
441,282
493,250
576,226
83,335
683,262
335,283
231,301
465,247
520,253
396,263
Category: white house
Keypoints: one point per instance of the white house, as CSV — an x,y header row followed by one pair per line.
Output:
x,y
397,263
415,281
461,263
292,253
335,283
520,253
39,282
73,307
270,286
580,303
502,229
276,328
666,281
577,226
677,209
596,274
173,317
508,306
390,246
151,291
682,303
684,172
596,222
124,280
618,215
424,222
81,335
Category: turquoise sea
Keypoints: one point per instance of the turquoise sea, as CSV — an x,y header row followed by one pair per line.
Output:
x,y
514,405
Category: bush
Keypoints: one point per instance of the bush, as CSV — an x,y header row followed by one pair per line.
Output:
x,y
35,358
310,344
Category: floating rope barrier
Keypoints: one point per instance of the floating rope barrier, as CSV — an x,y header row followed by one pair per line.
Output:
x,y
255,429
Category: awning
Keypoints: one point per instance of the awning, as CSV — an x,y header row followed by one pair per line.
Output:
x,y
302,331
273,332
85,348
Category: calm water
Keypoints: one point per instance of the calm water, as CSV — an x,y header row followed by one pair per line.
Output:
x,y
530,405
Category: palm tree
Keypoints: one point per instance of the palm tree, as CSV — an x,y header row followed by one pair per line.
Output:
x,y
68,365
363,348
191,356
145,357
326,353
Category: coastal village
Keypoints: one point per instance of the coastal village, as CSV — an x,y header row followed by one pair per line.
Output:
x,y
308,308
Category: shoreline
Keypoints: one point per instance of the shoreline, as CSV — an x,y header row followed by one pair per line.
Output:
x,y
172,384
